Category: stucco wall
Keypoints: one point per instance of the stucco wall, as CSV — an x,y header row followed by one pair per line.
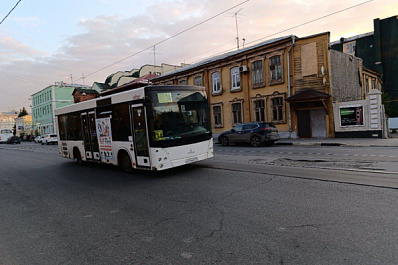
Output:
x,y
345,77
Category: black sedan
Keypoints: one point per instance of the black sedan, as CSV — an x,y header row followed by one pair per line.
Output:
x,y
14,140
255,133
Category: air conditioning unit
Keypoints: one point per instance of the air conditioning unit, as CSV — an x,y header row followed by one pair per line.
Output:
x,y
243,69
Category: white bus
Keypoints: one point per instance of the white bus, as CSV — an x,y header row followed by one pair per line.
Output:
x,y
5,134
154,128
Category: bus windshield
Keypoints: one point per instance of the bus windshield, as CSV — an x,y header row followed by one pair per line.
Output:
x,y
179,116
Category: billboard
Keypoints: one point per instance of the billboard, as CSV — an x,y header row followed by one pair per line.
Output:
x,y
351,116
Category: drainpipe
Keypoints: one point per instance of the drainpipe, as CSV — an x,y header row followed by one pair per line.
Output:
x,y
288,87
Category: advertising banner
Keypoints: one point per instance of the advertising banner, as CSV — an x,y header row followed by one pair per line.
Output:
x,y
105,139
351,116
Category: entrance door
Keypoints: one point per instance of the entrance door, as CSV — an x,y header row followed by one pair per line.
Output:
x,y
318,123
90,136
304,124
140,135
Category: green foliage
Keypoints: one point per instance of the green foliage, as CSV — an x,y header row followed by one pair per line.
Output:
x,y
390,105
22,112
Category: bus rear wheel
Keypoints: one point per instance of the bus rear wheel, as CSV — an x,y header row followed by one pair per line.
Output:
x,y
125,163
78,156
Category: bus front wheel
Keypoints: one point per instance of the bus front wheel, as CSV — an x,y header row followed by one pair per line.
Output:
x,y
125,162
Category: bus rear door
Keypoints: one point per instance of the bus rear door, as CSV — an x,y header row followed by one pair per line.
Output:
x,y
90,136
140,134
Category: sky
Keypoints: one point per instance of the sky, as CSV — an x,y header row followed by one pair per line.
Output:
x,y
43,42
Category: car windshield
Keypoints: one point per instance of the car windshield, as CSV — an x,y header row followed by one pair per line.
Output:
x,y
179,116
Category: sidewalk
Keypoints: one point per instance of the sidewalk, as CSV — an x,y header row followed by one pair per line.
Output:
x,y
364,142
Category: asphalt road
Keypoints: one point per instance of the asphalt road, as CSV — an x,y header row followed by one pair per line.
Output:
x,y
233,209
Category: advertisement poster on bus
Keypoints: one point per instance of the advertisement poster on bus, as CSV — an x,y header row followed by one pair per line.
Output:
x,y
105,139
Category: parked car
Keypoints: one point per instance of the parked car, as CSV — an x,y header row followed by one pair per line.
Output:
x,y
14,140
38,139
255,133
49,139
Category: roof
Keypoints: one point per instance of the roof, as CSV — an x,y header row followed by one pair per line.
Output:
x,y
102,86
228,54
139,82
308,95
343,40
87,91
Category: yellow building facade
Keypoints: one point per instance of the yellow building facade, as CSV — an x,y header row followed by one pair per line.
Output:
x,y
253,84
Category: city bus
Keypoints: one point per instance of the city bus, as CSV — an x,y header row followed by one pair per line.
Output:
x,y
5,134
153,128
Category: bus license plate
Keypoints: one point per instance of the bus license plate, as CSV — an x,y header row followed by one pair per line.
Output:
x,y
190,160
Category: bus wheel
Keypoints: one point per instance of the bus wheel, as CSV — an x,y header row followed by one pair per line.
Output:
x,y
77,155
125,163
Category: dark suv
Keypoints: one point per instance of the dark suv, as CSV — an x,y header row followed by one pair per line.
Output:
x,y
255,133
14,140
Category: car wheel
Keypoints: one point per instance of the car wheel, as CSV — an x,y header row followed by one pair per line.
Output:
x,y
255,141
224,141
125,163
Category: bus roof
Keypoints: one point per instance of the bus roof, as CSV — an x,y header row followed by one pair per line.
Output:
x,y
126,96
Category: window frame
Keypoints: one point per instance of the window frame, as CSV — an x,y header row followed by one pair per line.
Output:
x,y
221,124
281,119
259,98
235,87
281,64
201,80
240,102
262,82
219,91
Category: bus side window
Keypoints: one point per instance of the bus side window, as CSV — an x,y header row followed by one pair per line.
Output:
x,y
121,122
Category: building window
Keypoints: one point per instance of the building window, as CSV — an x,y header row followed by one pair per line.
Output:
x,y
257,73
259,110
198,81
216,82
237,113
235,78
277,109
217,115
183,82
275,68
373,84
367,84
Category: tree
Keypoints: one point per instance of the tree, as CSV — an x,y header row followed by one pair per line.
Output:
x,y
22,112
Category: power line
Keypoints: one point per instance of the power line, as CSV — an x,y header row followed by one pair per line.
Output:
x,y
169,38
308,22
10,11
302,24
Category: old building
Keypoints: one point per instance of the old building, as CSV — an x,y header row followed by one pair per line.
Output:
x,y
378,50
45,101
82,94
24,125
256,84
7,119
288,81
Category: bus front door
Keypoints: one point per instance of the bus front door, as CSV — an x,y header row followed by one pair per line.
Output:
x,y
140,136
90,136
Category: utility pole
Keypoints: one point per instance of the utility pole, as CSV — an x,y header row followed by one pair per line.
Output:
x,y
154,55
71,79
83,78
237,32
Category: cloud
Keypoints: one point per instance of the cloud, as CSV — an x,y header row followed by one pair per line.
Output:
x,y
106,39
